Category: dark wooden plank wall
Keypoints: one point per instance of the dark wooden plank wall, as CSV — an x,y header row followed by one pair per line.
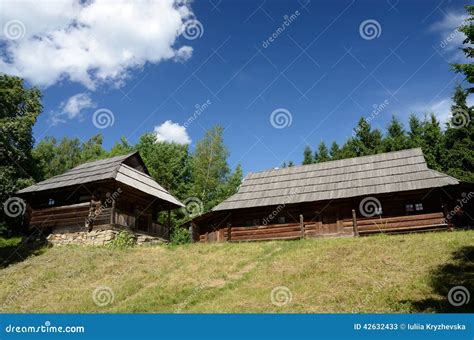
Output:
x,y
332,218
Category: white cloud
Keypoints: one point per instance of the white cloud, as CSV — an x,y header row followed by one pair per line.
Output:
x,y
450,39
441,108
172,132
72,108
90,42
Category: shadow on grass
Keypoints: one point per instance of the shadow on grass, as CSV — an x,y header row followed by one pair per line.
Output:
x,y
458,272
18,249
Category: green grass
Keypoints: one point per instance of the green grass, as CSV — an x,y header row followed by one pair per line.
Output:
x,y
403,273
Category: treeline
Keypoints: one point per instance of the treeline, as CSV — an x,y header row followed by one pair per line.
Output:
x,y
450,150
202,178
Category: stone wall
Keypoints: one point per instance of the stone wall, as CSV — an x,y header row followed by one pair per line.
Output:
x,y
99,236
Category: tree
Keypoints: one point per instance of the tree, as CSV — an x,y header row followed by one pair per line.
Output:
x,y
121,148
335,152
459,139
210,170
433,141
291,164
168,163
468,30
233,182
415,135
92,149
322,154
396,138
307,155
19,109
365,142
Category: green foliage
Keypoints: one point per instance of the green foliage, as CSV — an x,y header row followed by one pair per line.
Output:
x,y
468,29
53,158
396,138
307,155
19,109
210,169
322,155
459,139
123,240
335,152
179,236
169,163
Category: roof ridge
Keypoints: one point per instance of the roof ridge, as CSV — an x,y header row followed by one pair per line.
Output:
x,y
337,160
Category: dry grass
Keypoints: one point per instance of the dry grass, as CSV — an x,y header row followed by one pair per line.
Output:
x,y
374,274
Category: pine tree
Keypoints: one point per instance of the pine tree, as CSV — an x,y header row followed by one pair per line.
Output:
x,y
433,141
396,137
415,135
459,138
323,153
335,152
307,155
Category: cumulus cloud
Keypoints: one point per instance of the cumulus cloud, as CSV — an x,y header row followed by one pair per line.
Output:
x,y
89,42
172,132
72,108
450,39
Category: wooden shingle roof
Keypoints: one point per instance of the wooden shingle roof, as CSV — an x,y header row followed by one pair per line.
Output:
x,y
361,176
111,168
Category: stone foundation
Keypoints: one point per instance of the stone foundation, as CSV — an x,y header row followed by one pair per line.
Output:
x,y
99,236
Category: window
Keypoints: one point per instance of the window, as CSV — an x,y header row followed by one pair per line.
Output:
x,y
419,207
255,221
409,208
50,202
281,219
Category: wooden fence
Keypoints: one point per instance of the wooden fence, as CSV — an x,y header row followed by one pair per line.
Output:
x,y
309,229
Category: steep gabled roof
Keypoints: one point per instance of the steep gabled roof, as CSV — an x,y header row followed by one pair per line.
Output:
x,y
123,169
361,176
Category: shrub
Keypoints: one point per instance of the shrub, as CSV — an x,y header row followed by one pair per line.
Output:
x,y
179,236
123,240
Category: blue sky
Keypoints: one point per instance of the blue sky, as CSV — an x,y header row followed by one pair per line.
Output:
x,y
322,71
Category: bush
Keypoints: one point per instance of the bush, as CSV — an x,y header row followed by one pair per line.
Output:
x,y
123,240
179,236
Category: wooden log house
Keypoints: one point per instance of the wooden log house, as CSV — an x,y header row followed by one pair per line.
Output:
x,y
110,194
389,192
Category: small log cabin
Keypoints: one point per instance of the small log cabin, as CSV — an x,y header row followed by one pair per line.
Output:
x,y
389,192
92,202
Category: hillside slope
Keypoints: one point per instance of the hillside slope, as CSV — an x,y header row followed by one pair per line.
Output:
x,y
403,273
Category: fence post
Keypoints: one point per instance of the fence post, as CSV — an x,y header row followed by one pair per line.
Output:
x,y
354,223
302,226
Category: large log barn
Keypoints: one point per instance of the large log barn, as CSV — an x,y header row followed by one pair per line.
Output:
x,y
93,202
389,192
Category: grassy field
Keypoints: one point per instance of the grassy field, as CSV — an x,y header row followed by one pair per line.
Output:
x,y
403,273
